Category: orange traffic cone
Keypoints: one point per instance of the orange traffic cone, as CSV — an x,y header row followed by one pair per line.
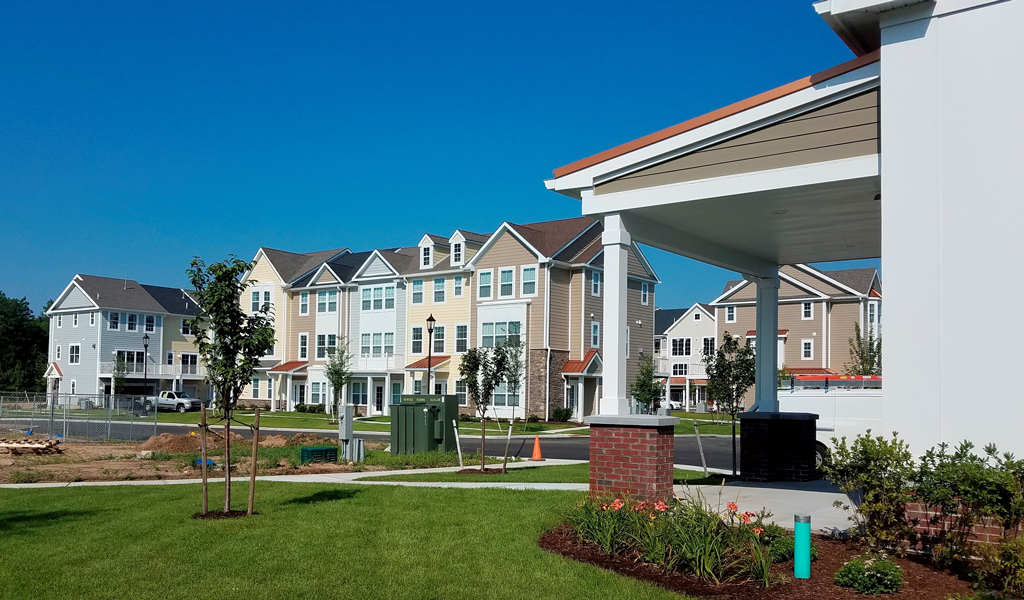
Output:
x,y
536,449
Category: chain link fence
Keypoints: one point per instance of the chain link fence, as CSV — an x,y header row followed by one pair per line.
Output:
x,y
82,417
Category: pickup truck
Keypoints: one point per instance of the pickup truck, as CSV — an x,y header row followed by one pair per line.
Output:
x,y
177,401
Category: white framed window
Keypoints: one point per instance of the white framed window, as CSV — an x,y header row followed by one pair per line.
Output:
x,y
484,284
439,290
457,286
254,304
807,349
681,346
389,297
303,303
256,387
595,334
417,386
74,354
389,344
378,298
332,344
186,328
807,311
270,387
507,283
150,323
189,363
364,347
730,314
679,369
460,392
457,253
74,386
529,281
709,346
439,339
378,344
321,346
657,346
427,260
627,342
267,304
873,318
92,319
321,301
304,346
169,358
113,321
461,338
314,392
644,293
417,291
74,320
417,340
332,301
366,298
359,393
58,352
595,283
494,334
133,322
60,321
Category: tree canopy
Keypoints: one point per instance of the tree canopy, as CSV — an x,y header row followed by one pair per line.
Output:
x,y
24,339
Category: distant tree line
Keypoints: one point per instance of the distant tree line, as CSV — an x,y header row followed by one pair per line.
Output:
x,y
23,342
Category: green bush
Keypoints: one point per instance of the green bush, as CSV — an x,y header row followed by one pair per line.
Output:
x,y
316,408
464,418
1002,569
25,477
561,414
533,419
871,575
782,549
300,408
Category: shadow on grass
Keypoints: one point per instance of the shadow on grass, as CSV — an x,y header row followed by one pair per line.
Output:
x,y
710,480
325,496
15,523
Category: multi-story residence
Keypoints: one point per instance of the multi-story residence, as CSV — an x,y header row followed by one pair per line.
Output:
x,y
97,320
817,314
685,337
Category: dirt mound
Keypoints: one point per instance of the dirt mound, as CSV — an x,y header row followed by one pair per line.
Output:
x,y
217,437
310,439
175,444
273,441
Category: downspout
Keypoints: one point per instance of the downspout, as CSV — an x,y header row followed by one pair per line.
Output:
x,y
547,341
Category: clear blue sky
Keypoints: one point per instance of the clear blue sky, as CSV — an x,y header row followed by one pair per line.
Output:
x,y
135,135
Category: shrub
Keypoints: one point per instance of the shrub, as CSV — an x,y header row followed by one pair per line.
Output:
x,y
1002,569
533,419
300,408
25,477
561,414
782,549
316,408
464,418
872,575
880,470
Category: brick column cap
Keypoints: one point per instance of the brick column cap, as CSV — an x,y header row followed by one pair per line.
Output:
x,y
632,420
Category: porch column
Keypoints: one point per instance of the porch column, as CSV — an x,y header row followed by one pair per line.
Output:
x,y
766,393
289,395
616,242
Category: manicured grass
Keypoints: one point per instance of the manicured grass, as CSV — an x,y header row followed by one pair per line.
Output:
x,y
278,420
579,473
685,425
309,541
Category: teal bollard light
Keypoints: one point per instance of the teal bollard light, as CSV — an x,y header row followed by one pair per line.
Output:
x,y
802,547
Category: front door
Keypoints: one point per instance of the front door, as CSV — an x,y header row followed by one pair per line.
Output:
x,y
378,398
300,393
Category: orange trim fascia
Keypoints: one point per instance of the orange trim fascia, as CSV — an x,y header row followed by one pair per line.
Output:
x,y
721,113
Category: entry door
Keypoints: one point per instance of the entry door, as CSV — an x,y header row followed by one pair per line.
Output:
x,y
300,393
378,398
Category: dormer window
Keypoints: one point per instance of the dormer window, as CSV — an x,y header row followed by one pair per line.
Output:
x,y
457,253
427,261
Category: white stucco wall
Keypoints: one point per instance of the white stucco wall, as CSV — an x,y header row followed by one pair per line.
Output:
x,y
953,222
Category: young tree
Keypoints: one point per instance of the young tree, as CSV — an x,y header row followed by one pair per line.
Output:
x,y
339,373
865,353
230,341
482,369
730,374
646,389
515,368
118,375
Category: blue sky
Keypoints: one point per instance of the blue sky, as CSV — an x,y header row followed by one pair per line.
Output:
x,y
136,135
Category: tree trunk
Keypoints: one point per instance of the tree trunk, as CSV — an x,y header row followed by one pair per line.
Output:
x,y
508,441
252,471
227,460
202,441
483,438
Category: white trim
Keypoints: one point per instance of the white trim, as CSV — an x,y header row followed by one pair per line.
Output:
x,y
299,348
455,347
821,275
600,282
522,280
92,318
803,311
807,288
505,226
306,294
501,270
802,343
729,292
57,353
366,263
462,252
596,324
646,264
645,293
458,291
412,291
434,290
727,319
64,294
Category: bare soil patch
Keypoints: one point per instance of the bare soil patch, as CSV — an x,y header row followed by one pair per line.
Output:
x,y
220,514
273,441
921,581
477,471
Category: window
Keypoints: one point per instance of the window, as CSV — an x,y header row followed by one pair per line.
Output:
x,y
332,344
644,293
366,298
389,344
169,359
417,291
92,319
873,317
627,342
74,386
495,334
74,320
679,369
74,354
709,346
332,301
378,298
60,321
133,322
439,290
189,363
389,298
417,340
439,339
272,349
506,279
696,316
730,314
461,338
483,283
426,257
321,302
680,346
187,328
255,303
396,392
595,334
304,303
113,322
314,392
303,346
657,346
255,387
417,387
270,387
150,323
359,393
58,352
502,397
267,304
457,253
378,343
460,392
457,280
807,311
807,349
321,346
595,283
529,281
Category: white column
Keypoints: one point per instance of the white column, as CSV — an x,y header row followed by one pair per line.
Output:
x,y
766,397
616,242
289,395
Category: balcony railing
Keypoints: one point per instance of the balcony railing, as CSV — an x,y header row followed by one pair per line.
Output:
x,y
693,369
382,362
153,370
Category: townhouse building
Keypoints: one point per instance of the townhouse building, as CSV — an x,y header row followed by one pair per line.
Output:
x,y
97,320
685,338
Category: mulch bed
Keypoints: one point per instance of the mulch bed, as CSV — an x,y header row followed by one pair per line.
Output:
x,y
477,471
219,514
921,581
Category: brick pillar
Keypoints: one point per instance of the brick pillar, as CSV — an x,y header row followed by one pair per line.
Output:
x,y
632,455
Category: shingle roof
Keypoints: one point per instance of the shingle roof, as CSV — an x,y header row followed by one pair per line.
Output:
x,y
858,279
708,307
402,259
548,237
731,284
291,265
665,317
126,294
175,301
476,238
437,239
344,266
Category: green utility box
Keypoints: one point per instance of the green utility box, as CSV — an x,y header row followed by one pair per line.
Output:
x,y
318,455
423,424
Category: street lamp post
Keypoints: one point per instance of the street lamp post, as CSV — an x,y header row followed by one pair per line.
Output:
x,y
430,348
145,376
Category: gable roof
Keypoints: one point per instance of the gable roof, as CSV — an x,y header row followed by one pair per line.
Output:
x,y
475,238
548,237
580,367
175,301
665,317
291,265
127,294
858,279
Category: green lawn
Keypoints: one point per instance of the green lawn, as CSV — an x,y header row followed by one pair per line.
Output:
x,y
308,541
579,473
471,427
279,420
685,425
